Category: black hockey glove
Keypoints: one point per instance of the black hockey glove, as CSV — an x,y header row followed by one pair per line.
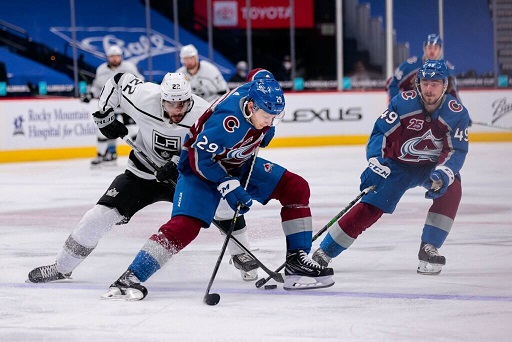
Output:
x,y
108,125
87,97
168,172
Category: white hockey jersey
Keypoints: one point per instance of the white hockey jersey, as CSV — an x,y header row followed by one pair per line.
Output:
x,y
208,82
104,72
159,139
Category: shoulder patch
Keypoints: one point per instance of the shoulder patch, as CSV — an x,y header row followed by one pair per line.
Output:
x,y
455,106
230,123
412,60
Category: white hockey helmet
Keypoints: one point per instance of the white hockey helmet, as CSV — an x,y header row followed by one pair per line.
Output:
x,y
176,91
114,50
187,51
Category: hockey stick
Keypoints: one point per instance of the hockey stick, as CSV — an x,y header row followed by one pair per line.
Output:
x,y
145,157
263,281
491,125
276,276
214,298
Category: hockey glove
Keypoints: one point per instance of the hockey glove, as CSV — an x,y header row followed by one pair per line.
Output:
x,y
108,125
442,177
87,97
235,194
168,172
375,174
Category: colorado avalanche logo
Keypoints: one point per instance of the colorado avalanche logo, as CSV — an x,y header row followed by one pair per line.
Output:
x,y
426,147
231,123
268,167
455,106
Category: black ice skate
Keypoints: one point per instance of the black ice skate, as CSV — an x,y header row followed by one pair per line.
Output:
x,y
430,260
247,265
321,258
107,159
46,274
302,273
127,288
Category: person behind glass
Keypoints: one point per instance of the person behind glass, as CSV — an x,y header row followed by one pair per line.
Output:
x,y
285,71
241,72
404,76
106,148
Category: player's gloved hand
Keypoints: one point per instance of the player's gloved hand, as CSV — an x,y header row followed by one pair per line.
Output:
x,y
235,194
441,178
169,172
108,125
87,97
375,174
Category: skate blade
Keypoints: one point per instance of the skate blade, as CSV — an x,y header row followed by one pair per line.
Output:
x,y
427,268
250,275
294,282
130,295
65,280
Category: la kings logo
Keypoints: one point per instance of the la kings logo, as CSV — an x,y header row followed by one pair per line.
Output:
x,y
166,146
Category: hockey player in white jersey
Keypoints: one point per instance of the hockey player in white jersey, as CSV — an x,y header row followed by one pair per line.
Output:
x,y
205,78
106,148
164,114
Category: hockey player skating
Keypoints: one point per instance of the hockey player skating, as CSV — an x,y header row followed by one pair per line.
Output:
x,y
420,140
214,163
205,78
164,114
404,76
106,148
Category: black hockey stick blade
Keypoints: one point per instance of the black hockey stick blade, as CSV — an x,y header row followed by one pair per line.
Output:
x,y
211,299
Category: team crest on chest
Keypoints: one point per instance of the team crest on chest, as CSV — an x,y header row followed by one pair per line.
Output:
x,y
426,147
166,146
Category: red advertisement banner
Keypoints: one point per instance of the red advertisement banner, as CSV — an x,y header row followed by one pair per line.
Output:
x,y
264,14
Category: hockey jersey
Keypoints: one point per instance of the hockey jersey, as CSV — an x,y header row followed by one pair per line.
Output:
x,y
208,83
159,139
407,133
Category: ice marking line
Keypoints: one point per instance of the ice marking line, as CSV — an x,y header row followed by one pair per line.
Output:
x,y
278,292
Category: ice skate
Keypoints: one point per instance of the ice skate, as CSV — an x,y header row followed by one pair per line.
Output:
x,y
430,260
107,159
127,288
302,273
46,274
321,258
247,265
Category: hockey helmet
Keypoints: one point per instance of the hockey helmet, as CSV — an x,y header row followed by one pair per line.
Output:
x,y
433,39
114,50
434,70
259,74
175,87
187,51
268,95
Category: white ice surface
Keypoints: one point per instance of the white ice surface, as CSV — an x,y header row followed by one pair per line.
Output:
x,y
377,296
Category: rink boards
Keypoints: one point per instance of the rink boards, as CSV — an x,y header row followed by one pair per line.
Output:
x,y
62,128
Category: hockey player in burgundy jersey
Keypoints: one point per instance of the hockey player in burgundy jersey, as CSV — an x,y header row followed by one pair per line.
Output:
x,y
164,114
420,140
215,164
405,73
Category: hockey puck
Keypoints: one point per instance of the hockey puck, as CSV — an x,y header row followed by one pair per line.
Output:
x,y
270,287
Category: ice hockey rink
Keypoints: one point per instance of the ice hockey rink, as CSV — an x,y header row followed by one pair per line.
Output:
x,y
378,296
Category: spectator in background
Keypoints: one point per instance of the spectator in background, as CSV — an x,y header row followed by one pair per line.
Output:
x,y
241,72
285,71
205,78
106,148
405,74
